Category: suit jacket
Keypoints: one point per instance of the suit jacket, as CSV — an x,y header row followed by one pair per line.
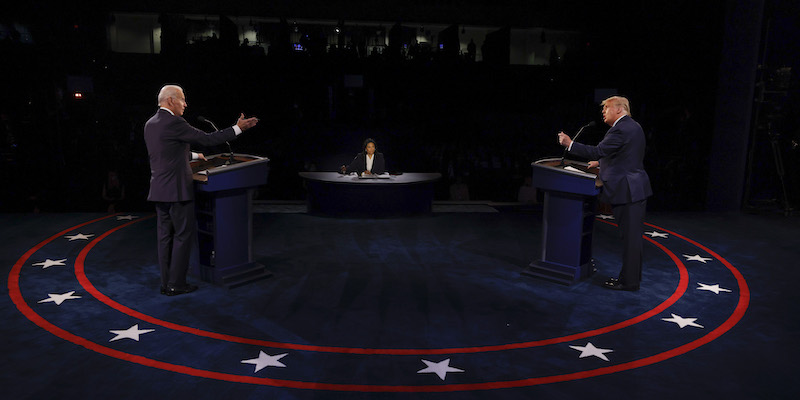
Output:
x,y
621,156
359,164
168,138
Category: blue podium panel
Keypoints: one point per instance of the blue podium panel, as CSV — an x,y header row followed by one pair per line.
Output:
x,y
218,174
224,187
570,193
331,193
571,177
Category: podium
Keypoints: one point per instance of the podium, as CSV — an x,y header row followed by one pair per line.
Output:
x,y
224,188
570,194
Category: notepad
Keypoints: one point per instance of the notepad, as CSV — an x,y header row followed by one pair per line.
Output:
x,y
374,176
573,169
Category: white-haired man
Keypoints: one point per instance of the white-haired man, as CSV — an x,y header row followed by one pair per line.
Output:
x,y
168,137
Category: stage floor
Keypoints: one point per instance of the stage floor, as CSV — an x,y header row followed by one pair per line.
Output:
x,y
425,307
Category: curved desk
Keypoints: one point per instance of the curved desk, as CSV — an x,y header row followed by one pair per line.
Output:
x,y
331,193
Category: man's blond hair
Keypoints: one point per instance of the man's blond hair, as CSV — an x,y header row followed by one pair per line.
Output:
x,y
618,101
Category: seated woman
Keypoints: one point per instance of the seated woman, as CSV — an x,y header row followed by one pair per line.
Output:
x,y
367,162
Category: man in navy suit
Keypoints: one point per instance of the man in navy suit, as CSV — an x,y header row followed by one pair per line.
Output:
x,y
168,136
625,184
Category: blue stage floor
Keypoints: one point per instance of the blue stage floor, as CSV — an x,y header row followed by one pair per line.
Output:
x,y
425,307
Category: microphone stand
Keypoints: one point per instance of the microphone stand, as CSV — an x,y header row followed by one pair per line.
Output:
x,y
564,155
230,150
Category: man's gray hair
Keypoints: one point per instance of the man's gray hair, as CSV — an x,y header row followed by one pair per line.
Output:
x,y
168,91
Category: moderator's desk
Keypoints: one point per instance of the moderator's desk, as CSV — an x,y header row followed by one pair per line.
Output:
x,y
331,193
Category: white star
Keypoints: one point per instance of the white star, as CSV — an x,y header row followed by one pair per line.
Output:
x,y
265,360
79,236
696,257
712,288
440,369
126,217
49,263
60,298
130,333
590,350
657,234
683,322
605,216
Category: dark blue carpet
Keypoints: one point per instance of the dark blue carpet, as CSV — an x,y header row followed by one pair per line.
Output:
x,y
359,305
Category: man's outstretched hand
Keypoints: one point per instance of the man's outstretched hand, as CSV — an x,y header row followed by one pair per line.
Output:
x,y
246,123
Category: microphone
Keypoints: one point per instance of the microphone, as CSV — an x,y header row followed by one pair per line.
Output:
x,y
589,125
203,119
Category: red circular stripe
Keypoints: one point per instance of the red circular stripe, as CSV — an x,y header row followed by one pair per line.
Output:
x,y
84,281
738,313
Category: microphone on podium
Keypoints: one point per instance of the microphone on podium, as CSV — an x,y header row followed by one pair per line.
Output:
x,y
589,125
203,119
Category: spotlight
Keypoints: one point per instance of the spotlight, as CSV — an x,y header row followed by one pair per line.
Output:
x,y
77,95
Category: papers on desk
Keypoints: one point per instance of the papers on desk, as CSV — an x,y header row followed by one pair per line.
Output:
x,y
384,175
573,169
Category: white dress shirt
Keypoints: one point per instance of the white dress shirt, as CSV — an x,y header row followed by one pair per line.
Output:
x,y
370,159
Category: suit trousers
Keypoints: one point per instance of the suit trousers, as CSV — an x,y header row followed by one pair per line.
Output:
x,y
176,229
630,217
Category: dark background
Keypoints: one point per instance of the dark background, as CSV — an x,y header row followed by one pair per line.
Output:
x,y
481,123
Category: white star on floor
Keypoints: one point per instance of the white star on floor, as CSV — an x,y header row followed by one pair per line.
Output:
x,y
590,350
126,217
696,257
712,288
130,333
605,216
265,360
683,322
79,236
60,298
654,234
49,263
440,369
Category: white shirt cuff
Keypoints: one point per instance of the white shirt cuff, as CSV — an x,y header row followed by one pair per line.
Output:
x,y
570,146
194,156
237,130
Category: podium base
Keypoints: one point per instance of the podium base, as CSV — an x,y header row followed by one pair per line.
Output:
x,y
234,276
560,273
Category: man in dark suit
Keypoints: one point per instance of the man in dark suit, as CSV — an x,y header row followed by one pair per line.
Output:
x,y
168,136
625,184
368,161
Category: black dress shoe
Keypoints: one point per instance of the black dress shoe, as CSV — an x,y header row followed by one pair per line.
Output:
x,y
176,290
615,284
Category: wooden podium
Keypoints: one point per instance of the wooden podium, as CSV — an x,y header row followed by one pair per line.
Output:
x,y
224,187
570,193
